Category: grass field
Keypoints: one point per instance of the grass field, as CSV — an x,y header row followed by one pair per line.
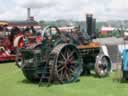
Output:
x,y
13,83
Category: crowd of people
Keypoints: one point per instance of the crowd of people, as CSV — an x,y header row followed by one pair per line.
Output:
x,y
16,30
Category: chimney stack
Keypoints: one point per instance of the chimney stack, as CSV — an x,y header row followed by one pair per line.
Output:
x,y
91,25
28,13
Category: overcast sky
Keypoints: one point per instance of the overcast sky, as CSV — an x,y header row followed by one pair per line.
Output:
x,y
64,9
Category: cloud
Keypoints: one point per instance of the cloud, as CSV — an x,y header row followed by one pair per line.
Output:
x,y
65,9
119,4
35,3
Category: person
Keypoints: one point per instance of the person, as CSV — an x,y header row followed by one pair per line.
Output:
x,y
26,29
6,30
1,31
14,31
39,38
25,39
33,30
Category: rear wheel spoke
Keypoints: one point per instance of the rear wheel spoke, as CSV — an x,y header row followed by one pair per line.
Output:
x,y
67,75
61,62
61,75
71,54
68,53
63,56
61,69
71,70
75,62
60,65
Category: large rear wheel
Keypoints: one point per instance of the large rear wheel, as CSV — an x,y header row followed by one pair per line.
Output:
x,y
68,63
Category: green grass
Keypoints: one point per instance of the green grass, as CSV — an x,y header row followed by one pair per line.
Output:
x,y
13,83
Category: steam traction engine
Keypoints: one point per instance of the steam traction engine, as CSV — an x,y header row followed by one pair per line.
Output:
x,y
12,36
63,56
6,49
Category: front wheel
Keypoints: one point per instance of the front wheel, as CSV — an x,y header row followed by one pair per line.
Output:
x,y
102,66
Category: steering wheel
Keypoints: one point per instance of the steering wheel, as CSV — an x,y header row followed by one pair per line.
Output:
x,y
51,33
